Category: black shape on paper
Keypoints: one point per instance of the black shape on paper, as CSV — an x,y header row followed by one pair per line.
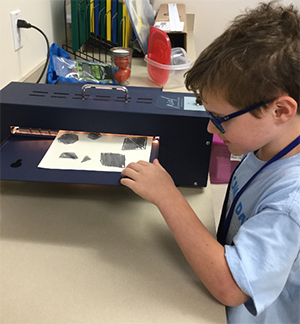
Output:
x,y
68,138
94,136
16,164
68,155
134,143
113,160
86,158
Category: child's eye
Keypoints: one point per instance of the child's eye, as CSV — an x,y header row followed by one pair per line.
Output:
x,y
216,115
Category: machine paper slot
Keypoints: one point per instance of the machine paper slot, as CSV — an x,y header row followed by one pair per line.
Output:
x,y
73,150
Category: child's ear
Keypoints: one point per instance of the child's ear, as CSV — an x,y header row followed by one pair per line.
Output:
x,y
285,108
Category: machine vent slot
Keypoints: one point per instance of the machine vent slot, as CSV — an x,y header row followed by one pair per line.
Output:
x,y
61,93
105,97
59,97
122,99
102,98
36,93
144,100
77,96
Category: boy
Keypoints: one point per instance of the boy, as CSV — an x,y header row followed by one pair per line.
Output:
x,y
248,81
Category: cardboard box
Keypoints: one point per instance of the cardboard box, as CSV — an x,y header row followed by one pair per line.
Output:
x,y
178,39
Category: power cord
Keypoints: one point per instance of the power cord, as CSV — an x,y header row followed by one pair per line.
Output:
x,y
24,24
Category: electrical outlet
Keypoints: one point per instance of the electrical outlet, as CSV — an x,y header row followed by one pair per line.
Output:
x,y
16,32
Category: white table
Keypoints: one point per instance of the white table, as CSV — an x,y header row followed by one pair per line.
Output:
x,y
91,254
96,254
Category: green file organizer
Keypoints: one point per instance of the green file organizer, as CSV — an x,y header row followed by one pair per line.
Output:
x,y
80,13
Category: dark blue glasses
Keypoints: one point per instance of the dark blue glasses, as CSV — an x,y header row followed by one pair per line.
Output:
x,y
217,121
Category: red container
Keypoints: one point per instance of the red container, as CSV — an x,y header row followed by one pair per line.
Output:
x,y
159,51
221,167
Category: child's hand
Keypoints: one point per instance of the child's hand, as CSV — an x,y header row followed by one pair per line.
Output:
x,y
149,180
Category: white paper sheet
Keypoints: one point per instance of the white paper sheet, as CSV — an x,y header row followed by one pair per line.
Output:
x,y
175,24
95,151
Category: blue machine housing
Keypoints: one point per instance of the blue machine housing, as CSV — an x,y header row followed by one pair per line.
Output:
x,y
184,143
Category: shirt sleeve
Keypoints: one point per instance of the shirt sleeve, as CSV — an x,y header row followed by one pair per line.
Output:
x,y
262,256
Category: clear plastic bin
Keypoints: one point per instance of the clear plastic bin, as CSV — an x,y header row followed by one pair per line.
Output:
x,y
179,65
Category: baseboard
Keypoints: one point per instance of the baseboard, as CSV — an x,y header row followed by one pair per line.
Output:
x,y
33,75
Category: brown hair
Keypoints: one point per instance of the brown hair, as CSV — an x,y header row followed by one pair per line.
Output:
x,y
256,59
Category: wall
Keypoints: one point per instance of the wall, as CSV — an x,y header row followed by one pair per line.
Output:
x,y
211,18
48,15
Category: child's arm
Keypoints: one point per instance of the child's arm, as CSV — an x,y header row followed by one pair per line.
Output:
x,y
204,253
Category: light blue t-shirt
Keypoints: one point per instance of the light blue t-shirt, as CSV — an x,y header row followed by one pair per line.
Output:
x,y
263,242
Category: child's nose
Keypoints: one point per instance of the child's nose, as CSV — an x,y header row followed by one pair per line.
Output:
x,y
211,128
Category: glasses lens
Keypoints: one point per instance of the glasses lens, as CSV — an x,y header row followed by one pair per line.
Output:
x,y
219,126
216,122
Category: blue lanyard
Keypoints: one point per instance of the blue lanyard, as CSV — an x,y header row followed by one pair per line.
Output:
x,y
225,221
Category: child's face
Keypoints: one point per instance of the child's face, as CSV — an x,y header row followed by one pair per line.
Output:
x,y
244,133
